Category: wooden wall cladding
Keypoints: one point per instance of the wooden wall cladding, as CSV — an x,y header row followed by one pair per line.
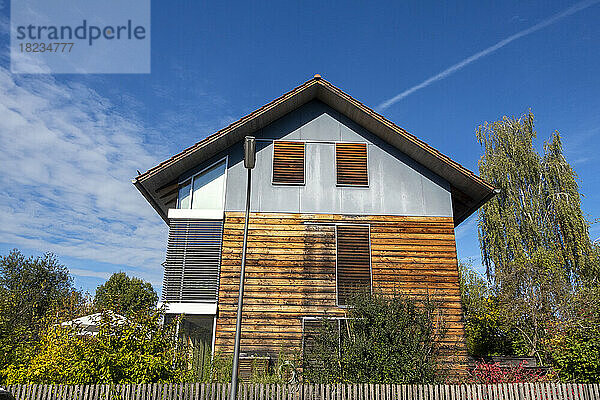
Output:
x,y
290,273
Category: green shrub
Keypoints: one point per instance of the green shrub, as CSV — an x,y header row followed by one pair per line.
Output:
x,y
574,350
487,333
386,339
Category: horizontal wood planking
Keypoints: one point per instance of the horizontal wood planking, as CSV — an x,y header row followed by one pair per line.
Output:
x,y
290,273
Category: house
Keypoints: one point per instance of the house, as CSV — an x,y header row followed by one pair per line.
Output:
x,y
89,325
341,199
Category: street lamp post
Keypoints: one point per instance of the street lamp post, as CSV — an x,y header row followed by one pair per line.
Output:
x,y
249,162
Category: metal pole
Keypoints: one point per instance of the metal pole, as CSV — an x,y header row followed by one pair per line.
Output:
x,y
238,323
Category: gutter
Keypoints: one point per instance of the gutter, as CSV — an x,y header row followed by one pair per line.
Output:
x,y
471,210
150,199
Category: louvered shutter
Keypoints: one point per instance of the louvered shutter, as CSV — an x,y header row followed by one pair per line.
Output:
x,y
193,260
353,261
288,162
351,164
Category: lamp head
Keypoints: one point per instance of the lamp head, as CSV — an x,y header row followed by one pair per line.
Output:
x,y
249,152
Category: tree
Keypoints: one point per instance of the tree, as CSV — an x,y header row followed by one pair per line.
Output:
x,y
33,291
534,239
125,295
386,339
571,229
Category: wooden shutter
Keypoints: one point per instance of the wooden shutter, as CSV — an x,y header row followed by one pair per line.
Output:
x,y
288,162
351,164
353,261
193,260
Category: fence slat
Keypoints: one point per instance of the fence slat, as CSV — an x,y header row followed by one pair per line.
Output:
x,y
26,389
580,392
566,391
31,391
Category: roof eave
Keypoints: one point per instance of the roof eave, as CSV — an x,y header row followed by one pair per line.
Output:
x,y
460,219
140,186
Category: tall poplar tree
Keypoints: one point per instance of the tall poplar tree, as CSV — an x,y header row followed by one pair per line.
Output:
x,y
533,235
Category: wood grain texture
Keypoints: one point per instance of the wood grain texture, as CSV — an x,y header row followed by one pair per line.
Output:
x,y
353,260
291,270
351,164
288,162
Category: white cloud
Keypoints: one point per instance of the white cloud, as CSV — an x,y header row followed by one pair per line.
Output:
x,y
67,160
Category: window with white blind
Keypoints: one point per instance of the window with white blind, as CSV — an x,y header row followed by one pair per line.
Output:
x,y
193,260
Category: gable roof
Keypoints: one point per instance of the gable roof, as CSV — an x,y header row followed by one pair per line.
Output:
x,y
469,192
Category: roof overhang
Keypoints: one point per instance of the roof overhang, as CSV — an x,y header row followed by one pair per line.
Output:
x,y
469,192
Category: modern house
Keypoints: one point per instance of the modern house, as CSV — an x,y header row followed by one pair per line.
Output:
x,y
342,199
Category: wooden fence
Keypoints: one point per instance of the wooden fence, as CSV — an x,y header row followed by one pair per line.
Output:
x,y
216,391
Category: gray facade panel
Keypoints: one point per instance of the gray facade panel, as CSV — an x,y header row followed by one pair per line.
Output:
x,y
290,125
352,132
397,184
319,193
265,195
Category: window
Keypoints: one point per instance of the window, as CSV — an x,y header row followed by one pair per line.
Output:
x,y
185,195
205,190
353,261
351,164
288,162
193,261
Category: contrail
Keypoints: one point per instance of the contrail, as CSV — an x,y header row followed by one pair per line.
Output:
x,y
456,67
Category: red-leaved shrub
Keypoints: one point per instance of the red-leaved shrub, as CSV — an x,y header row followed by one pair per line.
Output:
x,y
490,373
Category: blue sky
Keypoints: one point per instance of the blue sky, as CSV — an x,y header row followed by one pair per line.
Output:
x,y
71,143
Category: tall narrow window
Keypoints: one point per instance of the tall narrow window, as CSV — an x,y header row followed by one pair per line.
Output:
x,y
351,164
353,263
288,162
